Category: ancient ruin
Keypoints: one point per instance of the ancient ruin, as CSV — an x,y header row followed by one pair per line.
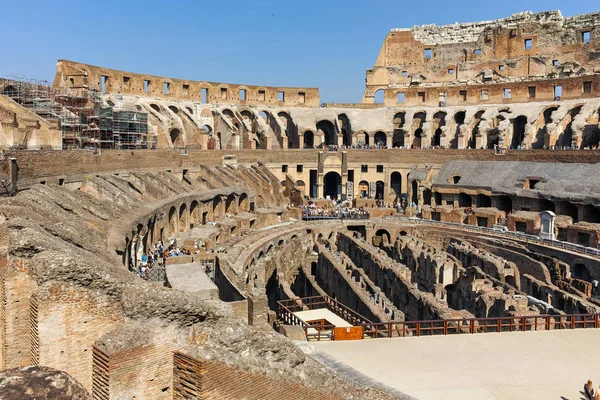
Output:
x,y
164,238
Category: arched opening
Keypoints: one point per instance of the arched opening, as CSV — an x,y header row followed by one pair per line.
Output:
x,y
403,233
173,221
398,135
379,96
519,124
437,196
230,204
366,142
174,109
155,107
566,138
379,186
194,217
570,209
591,213
332,185
475,131
217,206
459,120
427,196
301,186
244,202
291,130
309,140
510,280
363,189
329,132
415,192
183,218
396,183
417,125
384,234
483,201
346,129
580,271
503,203
547,205
540,137
464,200
380,139
437,137
176,138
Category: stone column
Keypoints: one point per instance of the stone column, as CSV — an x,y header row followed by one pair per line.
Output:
x,y
258,308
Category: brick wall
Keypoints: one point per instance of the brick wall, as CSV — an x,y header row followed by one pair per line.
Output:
x,y
69,321
209,380
17,288
49,166
143,372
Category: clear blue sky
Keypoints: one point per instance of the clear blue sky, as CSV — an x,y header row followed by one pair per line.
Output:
x,y
315,43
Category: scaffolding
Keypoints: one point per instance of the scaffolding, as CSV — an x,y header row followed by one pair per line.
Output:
x,y
85,121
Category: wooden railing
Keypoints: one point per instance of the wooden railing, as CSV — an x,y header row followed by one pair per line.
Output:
x,y
395,329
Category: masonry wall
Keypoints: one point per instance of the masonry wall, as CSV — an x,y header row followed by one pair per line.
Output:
x,y
209,380
17,288
74,75
69,321
141,372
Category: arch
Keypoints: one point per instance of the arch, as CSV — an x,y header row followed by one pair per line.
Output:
x,y
176,138
155,107
244,202
580,271
309,139
396,183
566,138
570,209
189,109
328,131
403,233
207,128
483,201
417,126
464,200
248,114
519,124
173,221
384,234
332,185
503,203
379,96
546,205
264,115
363,189
427,196
194,208
437,137
174,109
346,129
398,134
291,130
230,204
217,206
591,213
379,189
380,139
183,218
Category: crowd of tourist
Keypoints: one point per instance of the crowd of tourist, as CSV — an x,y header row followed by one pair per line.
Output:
x,y
157,256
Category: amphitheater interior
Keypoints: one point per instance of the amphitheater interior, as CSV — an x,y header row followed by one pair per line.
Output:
x,y
468,175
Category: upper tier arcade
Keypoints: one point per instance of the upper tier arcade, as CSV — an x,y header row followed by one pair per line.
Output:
x,y
74,75
519,58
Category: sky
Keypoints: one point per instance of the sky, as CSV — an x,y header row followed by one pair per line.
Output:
x,y
327,44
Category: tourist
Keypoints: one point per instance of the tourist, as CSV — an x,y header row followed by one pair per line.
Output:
x,y
590,392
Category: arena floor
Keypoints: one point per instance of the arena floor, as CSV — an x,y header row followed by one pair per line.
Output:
x,y
518,365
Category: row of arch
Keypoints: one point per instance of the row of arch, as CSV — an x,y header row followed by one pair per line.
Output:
x,y
169,221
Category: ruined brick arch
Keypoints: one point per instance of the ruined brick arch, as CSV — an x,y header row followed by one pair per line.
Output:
x,y
384,233
195,210
309,138
173,221
217,207
176,138
519,125
243,202
379,95
329,132
183,218
248,114
566,137
380,138
230,204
